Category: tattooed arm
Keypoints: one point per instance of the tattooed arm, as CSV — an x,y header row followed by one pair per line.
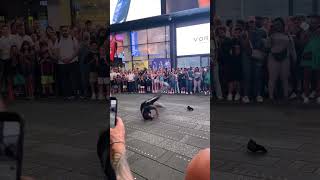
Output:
x,y
118,152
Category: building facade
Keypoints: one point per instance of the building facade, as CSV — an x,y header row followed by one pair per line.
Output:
x,y
235,9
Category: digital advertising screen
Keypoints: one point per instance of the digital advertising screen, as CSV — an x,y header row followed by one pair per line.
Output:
x,y
175,5
129,10
193,40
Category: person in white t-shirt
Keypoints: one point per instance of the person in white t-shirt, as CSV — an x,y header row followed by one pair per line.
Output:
x,y
131,82
22,36
67,49
6,42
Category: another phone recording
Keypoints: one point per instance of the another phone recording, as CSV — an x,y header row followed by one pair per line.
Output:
x,y
11,146
113,111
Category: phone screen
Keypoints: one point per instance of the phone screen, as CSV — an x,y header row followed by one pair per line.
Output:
x,y
113,112
9,150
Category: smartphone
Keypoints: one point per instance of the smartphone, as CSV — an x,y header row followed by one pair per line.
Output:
x,y
113,111
11,146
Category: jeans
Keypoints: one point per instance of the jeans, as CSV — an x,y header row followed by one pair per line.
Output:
x,y
216,80
189,86
176,87
69,79
84,72
252,77
197,85
278,70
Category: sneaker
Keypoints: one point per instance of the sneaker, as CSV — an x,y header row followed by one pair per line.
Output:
x,y
305,99
293,96
100,97
259,99
220,98
187,93
312,95
237,97
230,97
93,97
245,99
71,97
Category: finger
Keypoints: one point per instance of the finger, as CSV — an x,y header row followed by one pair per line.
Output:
x,y
119,123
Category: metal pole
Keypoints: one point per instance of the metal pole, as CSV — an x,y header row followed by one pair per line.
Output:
x,y
290,3
315,9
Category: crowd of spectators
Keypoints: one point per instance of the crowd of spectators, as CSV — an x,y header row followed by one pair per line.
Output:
x,y
171,81
51,62
262,57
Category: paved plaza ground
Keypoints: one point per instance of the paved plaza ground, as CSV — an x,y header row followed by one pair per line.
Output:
x,y
290,132
61,137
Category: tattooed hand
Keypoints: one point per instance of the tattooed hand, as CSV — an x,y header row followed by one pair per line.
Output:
x,y
118,152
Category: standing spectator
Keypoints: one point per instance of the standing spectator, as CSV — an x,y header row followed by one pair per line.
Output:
x,y
182,81
103,68
68,49
28,65
234,66
252,62
311,62
47,69
190,79
131,82
282,49
6,42
197,80
206,81
84,51
22,36
223,48
92,60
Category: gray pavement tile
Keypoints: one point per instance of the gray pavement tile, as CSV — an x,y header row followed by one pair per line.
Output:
x,y
310,148
179,148
166,156
196,141
227,145
229,176
155,171
245,157
137,177
145,149
178,162
196,133
147,137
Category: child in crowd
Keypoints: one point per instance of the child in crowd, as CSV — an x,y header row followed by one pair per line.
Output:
x,y
47,69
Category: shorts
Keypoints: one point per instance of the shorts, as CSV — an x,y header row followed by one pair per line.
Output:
x,y
93,76
103,81
103,71
46,80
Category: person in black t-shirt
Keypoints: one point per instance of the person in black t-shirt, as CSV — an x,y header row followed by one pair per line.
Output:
x,y
93,60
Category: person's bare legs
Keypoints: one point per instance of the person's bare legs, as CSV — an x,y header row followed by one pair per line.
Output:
x,y
284,75
274,72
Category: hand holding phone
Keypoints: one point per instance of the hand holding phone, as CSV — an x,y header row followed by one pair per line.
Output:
x,y
113,111
11,146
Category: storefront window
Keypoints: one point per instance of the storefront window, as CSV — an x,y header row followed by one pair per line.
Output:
x,y
302,7
94,10
139,48
187,62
